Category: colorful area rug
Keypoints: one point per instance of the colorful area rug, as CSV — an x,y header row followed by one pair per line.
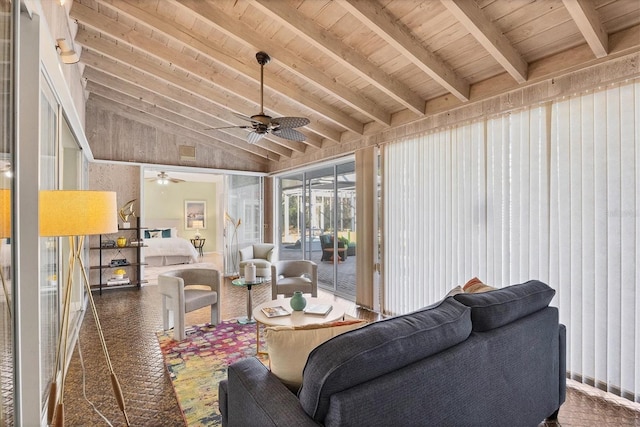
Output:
x,y
197,364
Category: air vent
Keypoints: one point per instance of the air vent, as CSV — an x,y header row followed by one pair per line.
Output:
x,y
187,152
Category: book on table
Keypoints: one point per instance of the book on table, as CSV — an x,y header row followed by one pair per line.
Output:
x,y
276,311
319,309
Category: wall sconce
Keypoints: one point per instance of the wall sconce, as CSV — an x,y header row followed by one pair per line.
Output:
x,y
66,52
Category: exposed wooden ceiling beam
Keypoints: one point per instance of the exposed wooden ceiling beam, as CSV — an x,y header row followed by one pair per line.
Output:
x,y
170,128
339,52
241,33
201,121
471,17
386,27
587,19
226,59
131,78
215,85
271,151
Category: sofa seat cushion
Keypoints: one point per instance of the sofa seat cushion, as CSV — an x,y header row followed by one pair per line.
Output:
x,y
379,348
289,346
294,281
493,309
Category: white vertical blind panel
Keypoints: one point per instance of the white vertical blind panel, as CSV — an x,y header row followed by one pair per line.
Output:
x,y
594,235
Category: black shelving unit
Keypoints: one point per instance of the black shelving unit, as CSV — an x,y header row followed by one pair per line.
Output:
x,y
108,253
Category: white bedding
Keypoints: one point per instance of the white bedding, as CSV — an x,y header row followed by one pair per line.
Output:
x,y
170,250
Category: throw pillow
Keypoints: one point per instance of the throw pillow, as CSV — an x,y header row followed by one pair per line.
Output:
x,y
289,346
455,291
475,286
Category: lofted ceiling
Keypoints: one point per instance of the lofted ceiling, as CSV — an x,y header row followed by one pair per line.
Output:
x,y
352,67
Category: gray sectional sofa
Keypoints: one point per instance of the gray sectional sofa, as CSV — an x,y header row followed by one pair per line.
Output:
x,y
494,358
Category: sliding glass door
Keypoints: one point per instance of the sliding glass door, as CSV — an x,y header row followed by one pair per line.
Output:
x,y
317,222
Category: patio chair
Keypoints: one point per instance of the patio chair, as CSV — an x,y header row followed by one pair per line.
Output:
x,y
294,275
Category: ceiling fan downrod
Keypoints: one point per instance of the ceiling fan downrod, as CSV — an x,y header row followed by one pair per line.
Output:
x,y
263,59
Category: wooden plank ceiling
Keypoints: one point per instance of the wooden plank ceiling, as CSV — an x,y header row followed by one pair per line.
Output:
x,y
352,67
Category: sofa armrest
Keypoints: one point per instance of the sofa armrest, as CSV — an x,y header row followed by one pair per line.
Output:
x,y
255,397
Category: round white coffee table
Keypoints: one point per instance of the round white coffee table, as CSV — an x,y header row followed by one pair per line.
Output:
x,y
296,318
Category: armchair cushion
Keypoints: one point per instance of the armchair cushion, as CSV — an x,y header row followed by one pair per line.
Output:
x,y
263,251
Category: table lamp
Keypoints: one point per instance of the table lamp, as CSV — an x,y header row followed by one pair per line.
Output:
x,y
5,232
77,213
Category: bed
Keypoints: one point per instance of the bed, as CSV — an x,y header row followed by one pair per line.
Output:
x,y
164,246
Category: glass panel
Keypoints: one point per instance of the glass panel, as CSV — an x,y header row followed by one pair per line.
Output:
x,y
49,249
70,164
243,217
345,191
318,223
291,220
6,188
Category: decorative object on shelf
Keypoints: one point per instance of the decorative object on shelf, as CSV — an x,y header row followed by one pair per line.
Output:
x,y
250,272
125,212
233,246
122,242
298,302
119,273
108,243
94,214
117,262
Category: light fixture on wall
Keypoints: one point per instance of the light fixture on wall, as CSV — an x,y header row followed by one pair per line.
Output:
x,y
76,214
66,52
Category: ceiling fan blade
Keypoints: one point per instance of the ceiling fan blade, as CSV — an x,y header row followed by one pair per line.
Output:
x,y
243,117
290,134
254,137
231,127
290,122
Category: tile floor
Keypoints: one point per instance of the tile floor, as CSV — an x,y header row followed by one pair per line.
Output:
x,y
130,319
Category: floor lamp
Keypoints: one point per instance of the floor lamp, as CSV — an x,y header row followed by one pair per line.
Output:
x,y
77,213
5,232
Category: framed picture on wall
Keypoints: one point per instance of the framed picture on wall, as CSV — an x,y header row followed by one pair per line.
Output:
x,y
195,214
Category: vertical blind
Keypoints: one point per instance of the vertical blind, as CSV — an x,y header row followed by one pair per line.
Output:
x,y
549,193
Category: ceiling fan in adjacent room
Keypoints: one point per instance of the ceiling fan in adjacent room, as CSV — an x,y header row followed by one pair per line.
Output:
x,y
261,124
164,179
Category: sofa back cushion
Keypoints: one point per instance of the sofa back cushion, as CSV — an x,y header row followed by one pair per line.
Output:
x,y
379,348
493,309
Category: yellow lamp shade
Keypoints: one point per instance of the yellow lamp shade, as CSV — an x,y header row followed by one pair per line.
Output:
x,y
77,212
5,213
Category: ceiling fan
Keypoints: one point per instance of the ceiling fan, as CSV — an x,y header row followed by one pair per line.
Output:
x,y
163,179
261,124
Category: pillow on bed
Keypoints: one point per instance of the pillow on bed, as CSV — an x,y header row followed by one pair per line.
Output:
x,y
157,234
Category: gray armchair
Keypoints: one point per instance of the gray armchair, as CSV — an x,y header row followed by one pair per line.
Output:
x,y
188,290
294,275
262,255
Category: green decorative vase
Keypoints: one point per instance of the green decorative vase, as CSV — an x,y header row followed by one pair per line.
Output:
x,y
298,303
